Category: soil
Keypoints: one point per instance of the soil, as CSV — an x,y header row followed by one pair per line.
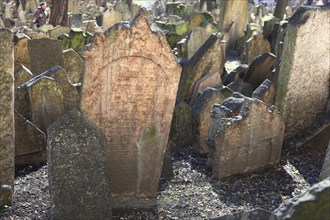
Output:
x,y
192,193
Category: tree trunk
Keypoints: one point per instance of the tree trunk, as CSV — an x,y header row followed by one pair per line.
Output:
x,y
59,13
280,8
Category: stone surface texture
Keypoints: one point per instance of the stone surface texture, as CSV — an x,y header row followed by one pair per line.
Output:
x,y
7,130
129,90
79,188
304,76
244,142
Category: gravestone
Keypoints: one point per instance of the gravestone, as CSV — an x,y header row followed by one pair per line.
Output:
x,y
304,70
232,20
201,117
76,21
195,40
260,69
21,53
129,90
210,80
255,46
181,133
208,59
57,31
77,169
44,54
30,6
73,65
7,138
110,18
76,39
265,92
30,141
244,142
241,86
50,96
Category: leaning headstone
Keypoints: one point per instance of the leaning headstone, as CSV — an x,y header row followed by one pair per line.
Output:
x,y
77,169
57,31
110,18
30,6
210,80
232,21
312,204
325,173
245,142
44,54
30,142
1,23
208,59
180,134
73,65
241,86
195,40
260,69
201,117
129,90
265,92
255,46
50,96
7,138
21,50
299,76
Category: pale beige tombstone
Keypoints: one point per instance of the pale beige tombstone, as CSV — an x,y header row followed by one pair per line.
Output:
x,y
245,142
110,18
7,138
129,90
303,82
21,53
196,39
73,65
233,20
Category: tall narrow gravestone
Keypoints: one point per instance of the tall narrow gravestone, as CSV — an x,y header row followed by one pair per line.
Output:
x,y
303,82
7,137
129,90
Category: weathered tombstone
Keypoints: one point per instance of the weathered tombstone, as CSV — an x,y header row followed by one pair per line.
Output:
x,y
30,6
232,21
238,72
255,46
180,134
7,138
312,204
73,65
245,142
30,142
110,18
265,92
210,80
325,173
77,169
209,58
21,53
1,23
242,87
44,54
304,73
201,117
260,69
50,96
57,31
132,104
76,21
195,40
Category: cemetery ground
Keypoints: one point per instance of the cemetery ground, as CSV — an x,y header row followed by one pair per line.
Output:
x,y
192,193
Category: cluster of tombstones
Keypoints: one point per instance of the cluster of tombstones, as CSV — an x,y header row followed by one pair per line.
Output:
x,y
108,99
